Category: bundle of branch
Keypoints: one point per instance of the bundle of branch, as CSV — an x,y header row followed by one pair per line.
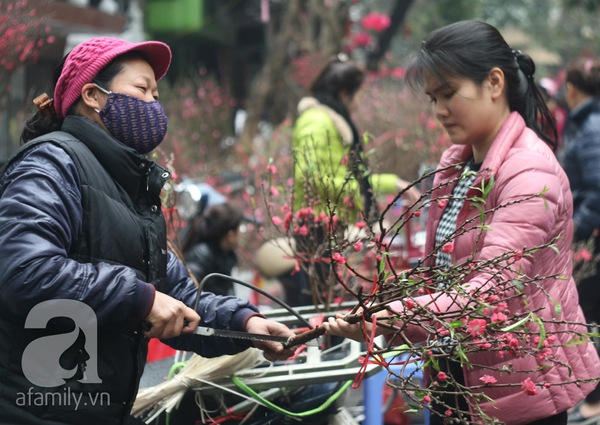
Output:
x,y
166,396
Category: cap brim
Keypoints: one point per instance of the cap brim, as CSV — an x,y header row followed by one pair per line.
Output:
x,y
157,54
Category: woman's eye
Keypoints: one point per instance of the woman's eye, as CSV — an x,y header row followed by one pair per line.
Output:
x,y
142,88
449,94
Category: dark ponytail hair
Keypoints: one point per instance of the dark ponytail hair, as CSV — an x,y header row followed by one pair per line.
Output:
x,y
471,49
211,224
43,121
46,121
340,76
584,74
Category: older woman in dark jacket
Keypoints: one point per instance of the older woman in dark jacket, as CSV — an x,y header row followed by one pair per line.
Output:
x,y
86,277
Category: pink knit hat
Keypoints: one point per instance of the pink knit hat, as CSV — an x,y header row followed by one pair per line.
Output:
x,y
88,58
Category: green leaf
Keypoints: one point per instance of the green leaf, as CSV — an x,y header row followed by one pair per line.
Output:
x,y
515,325
539,322
557,308
518,284
489,186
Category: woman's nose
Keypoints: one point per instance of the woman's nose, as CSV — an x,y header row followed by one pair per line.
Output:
x,y
440,110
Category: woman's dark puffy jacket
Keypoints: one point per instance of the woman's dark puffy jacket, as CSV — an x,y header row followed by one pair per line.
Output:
x,y
52,215
204,258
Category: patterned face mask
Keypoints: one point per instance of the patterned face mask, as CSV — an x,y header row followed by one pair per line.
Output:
x,y
138,124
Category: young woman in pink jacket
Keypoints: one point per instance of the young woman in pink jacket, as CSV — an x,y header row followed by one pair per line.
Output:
x,y
484,95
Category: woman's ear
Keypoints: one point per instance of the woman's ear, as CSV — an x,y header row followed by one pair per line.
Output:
x,y
91,97
497,82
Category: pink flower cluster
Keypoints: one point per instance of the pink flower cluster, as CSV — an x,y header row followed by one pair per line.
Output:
x,y
22,34
375,21
372,22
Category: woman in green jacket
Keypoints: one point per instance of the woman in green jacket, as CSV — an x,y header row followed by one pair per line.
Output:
x,y
331,172
332,182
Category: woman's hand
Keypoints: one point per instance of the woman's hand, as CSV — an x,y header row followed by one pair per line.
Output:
x,y
411,195
271,350
341,327
170,318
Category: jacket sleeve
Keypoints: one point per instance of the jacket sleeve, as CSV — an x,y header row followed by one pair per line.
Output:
x,y
40,219
384,184
219,312
587,215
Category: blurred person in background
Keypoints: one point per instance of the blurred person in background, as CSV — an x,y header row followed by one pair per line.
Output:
x,y
210,242
580,157
331,171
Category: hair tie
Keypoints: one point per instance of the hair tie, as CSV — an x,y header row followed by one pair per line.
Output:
x,y
516,53
44,103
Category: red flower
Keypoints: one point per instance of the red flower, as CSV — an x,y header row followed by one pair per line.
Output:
x,y
375,21
585,255
528,387
442,376
518,255
441,203
498,317
487,379
410,304
448,248
301,230
338,258
477,327
398,72
361,39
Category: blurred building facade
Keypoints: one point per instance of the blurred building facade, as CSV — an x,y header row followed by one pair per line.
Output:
x,y
226,37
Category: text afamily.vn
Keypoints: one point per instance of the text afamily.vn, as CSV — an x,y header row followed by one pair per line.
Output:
x,y
65,398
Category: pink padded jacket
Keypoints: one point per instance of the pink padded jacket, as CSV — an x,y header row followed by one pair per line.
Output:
x,y
521,164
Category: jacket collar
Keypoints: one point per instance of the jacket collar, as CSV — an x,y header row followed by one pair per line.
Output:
x,y
339,122
124,164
